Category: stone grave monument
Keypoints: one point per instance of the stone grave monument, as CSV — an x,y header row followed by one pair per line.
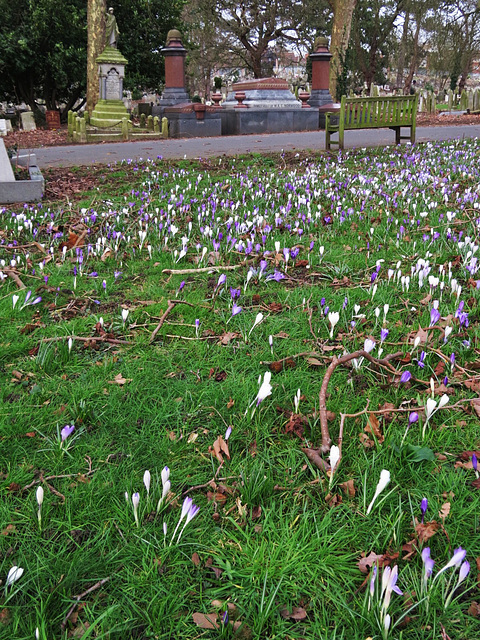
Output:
x,y
110,110
28,121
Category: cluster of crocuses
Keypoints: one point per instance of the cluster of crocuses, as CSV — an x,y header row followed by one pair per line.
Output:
x,y
380,592
189,509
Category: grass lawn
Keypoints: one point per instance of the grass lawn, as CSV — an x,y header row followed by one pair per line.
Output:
x,y
197,321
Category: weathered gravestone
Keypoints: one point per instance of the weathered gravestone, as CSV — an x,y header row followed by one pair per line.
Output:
x,y
3,127
28,121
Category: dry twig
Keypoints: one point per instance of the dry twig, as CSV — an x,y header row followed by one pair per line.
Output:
x,y
97,585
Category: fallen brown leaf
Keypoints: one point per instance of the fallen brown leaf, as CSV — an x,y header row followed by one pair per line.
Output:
x,y
474,610
444,510
475,404
367,562
348,487
297,613
373,427
196,559
219,447
205,620
227,337
365,440
427,530
120,380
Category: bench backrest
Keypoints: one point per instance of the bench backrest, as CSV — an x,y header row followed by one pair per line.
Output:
x,y
386,111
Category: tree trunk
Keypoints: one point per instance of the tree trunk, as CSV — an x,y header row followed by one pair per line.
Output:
x,y
414,60
403,49
96,10
342,22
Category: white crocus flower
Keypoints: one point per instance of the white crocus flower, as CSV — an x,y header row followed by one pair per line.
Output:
x,y
334,458
15,299
258,320
39,496
125,313
265,388
135,502
382,483
369,345
146,480
333,318
13,575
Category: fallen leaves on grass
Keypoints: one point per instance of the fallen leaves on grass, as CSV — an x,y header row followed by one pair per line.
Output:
x,y
444,510
373,427
297,613
120,380
219,447
426,530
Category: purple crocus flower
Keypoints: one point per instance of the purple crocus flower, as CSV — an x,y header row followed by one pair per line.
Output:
x,y
67,431
405,377
474,462
421,360
423,507
225,618
428,564
383,334
236,309
413,417
221,281
434,316
228,433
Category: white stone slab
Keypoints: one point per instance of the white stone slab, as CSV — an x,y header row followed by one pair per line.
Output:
x,y
3,127
6,171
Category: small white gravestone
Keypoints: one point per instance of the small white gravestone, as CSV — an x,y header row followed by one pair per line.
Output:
x,y
28,122
9,125
3,127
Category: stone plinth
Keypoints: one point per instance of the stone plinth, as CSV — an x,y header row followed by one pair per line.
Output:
x,y
264,93
320,95
193,120
255,121
175,87
110,109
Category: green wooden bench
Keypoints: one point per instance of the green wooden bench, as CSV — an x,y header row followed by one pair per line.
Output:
x,y
393,112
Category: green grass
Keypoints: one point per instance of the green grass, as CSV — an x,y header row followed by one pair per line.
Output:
x,y
270,534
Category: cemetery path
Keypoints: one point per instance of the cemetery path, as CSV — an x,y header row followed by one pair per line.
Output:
x,y
176,149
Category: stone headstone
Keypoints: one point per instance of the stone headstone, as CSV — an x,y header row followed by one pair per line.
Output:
x,y
112,85
3,127
28,121
9,126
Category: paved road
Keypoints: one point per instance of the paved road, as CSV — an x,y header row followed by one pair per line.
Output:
x,y
231,145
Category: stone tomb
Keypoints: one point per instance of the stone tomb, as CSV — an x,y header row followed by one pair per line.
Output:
x,y
265,105
12,190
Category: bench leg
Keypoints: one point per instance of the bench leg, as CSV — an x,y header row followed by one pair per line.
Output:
x,y
397,135
341,135
327,139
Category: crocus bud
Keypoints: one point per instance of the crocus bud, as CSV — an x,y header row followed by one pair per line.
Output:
x,y
39,495
382,483
423,507
146,480
14,574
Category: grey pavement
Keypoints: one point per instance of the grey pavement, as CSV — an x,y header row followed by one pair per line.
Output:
x,y
175,149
